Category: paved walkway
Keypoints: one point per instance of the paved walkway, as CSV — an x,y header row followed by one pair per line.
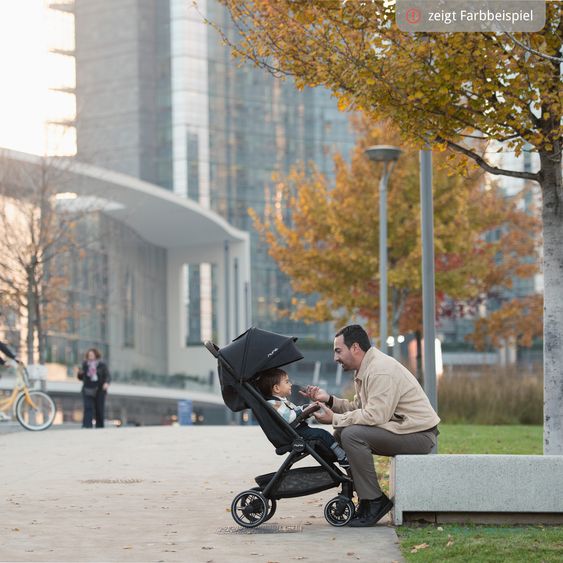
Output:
x,y
160,494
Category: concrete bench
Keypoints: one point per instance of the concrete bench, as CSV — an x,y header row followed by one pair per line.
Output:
x,y
477,488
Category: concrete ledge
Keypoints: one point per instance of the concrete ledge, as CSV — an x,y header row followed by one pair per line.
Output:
x,y
450,486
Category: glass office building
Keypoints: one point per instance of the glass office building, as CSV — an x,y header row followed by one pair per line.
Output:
x,y
159,97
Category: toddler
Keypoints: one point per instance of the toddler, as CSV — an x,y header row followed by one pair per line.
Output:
x,y
275,387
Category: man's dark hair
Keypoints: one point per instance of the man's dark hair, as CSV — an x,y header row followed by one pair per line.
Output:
x,y
267,379
355,333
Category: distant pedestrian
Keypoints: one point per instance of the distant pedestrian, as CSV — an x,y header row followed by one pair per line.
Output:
x,y
95,376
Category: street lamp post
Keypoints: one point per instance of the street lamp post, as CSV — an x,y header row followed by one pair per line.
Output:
x,y
428,283
389,156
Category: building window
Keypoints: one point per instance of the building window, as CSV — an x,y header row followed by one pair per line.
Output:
x,y
129,310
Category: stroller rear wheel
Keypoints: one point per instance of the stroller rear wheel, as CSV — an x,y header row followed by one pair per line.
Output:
x,y
250,509
339,511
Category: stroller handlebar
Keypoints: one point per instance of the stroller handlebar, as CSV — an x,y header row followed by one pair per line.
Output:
x,y
212,347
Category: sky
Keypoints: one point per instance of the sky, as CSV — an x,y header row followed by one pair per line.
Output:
x,y
27,71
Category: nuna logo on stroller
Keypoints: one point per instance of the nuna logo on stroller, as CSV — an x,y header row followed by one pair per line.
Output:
x,y
238,363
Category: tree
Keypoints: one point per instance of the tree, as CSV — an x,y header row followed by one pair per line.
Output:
x,y
42,243
325,242
448,89
517,321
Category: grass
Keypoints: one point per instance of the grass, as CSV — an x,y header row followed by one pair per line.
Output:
x,y
481,544
474,543
495,395
476,439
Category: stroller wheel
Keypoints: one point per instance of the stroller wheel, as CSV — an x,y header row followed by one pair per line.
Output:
x,y
339,511
272,505
250,509
271,509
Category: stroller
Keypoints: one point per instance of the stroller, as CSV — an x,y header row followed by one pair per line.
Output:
x,y
238,363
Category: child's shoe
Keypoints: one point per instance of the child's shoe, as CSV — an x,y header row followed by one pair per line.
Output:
x,y
344,463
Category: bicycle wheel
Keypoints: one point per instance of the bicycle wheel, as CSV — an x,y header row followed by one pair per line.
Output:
x,y
36,416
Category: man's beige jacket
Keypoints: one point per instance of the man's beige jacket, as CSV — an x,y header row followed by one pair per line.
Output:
x,y
387,395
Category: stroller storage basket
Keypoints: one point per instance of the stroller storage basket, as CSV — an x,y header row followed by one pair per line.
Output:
x,y
298,482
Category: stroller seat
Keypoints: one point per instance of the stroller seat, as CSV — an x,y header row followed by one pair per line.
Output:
x,y
238,363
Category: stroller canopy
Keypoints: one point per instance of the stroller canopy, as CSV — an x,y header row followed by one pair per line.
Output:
x,y
256,350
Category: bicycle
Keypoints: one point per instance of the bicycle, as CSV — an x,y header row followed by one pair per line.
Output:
x,y
34,409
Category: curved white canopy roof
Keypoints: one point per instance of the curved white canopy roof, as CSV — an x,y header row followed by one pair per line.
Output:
x,y
156,214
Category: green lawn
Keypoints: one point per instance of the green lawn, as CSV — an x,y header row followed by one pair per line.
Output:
x,y
462,543
475,439
481,544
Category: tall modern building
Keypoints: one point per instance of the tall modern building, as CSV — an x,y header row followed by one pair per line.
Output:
x,y
159,97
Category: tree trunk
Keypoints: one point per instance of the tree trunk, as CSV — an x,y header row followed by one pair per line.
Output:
x,y
552,214
39,326
30,318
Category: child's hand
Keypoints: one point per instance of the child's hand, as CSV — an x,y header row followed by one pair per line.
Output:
x,y
314,393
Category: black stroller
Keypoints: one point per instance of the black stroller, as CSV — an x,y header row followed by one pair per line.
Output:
x,y
238,364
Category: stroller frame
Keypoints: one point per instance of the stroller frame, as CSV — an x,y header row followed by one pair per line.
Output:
x,y
254,506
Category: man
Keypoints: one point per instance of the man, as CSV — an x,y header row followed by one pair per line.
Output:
x,y
389,415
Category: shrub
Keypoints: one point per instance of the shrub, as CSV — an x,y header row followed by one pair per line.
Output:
x,y
495,395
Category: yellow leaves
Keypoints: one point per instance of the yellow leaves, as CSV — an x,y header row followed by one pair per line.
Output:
x,y
344,103
353,52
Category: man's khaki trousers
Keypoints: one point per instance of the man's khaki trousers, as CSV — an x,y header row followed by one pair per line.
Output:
x,y
361,443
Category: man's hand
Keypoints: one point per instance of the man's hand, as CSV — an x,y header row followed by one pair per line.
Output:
x,y
324,415
314,393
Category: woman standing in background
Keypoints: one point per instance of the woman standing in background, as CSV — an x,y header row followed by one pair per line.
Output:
x,y
95,376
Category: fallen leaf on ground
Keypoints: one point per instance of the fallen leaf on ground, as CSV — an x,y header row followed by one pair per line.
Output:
x,y
419,547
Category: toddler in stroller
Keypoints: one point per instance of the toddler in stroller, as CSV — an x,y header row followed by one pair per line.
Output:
x,y
239,364
275,387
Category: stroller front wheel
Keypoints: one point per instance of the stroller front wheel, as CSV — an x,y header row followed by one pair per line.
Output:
x,y
250,509
339,511
272,505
